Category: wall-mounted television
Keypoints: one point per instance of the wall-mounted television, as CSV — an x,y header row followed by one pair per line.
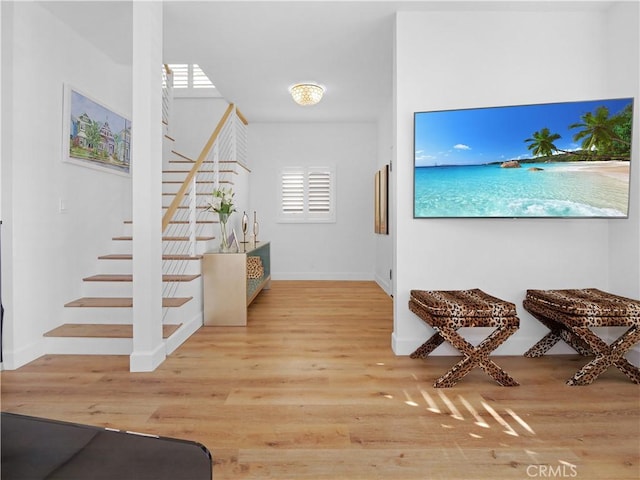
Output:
x,y
553,160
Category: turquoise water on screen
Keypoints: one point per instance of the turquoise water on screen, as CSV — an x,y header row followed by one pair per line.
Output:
x,y
559,190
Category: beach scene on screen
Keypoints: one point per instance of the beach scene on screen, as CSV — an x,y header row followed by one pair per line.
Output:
x,y
569,159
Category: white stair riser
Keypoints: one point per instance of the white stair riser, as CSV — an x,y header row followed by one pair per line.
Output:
x,y
172,247
172,316
125,289
181,229
186,267
98,315
184,248
178,173
203,187
114,266
88,346
120,247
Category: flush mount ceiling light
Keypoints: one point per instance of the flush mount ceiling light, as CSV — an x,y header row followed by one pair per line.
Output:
x,y
306,93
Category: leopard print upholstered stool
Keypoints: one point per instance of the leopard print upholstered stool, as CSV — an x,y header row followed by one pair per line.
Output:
x,y
570,315
448,311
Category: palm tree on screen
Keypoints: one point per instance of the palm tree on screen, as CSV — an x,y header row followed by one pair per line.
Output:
x,y
598,131
541,143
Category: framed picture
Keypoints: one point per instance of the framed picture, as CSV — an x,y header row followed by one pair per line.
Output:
x,y
94,135
376,202
232,241
381,205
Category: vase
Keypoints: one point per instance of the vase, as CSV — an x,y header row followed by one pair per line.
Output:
x,y
224,243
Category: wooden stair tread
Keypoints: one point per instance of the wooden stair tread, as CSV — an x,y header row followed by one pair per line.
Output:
x,y
128,256
172,194
169,239
115,277
188,161
85,330
199,222
198,207
187,171
180,182
122,302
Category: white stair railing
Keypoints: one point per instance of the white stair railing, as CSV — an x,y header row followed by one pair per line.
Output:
x,y
184,223
167,96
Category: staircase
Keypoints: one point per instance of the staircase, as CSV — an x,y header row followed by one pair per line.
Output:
x,y
101,321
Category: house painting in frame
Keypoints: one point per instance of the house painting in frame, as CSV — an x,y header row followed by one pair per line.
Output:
x,y
95,136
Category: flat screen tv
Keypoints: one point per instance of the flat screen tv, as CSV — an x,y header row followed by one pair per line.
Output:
x,y
554,160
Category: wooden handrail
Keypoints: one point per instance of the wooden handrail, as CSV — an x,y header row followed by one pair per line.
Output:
x,y
241,117
196,166
167,70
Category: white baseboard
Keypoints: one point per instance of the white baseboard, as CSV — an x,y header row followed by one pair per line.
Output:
x,y
13,359
147,361
406,346
346,276
183,333
385,284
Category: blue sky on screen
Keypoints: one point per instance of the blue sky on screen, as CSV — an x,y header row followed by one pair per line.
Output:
x,y
497,134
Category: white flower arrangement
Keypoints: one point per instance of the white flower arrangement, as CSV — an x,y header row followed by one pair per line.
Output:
x,y
222,201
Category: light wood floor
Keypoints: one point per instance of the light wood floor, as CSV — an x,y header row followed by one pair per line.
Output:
x,y
310,389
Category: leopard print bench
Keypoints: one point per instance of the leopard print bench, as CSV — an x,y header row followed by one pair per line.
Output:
x,y
446,311
571,314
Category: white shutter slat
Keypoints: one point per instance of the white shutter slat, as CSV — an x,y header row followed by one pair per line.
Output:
x,y
292,192
180,75
319,192
200,79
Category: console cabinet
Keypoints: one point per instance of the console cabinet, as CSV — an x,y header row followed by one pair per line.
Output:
x,y
228,291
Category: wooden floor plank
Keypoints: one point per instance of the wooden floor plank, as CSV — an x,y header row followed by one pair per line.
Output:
x,y
310,389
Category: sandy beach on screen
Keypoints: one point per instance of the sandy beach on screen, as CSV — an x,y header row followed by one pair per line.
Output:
x,y
614,168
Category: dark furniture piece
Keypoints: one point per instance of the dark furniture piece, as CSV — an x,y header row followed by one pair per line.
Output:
x,y
448,311
571,314
36,448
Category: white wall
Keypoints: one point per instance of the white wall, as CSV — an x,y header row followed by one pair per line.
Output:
x,y
338,251
384,243
52,251
467,59
193,120
623,52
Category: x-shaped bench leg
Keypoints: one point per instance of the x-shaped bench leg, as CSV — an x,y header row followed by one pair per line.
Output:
x,y
476,357
427,347
558,332
606,356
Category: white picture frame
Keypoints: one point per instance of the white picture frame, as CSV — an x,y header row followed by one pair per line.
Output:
x,y
94,135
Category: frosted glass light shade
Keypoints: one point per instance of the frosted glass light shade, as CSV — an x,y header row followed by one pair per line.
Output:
x,y
306,93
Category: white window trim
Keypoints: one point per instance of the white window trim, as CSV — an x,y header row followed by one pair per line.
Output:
x,y
307,216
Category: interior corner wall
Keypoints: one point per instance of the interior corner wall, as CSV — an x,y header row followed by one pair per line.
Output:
x,y
384,242
343,250
463,59
62,215
623,60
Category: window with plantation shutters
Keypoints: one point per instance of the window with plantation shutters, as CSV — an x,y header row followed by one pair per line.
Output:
x,y
189,80
307,194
